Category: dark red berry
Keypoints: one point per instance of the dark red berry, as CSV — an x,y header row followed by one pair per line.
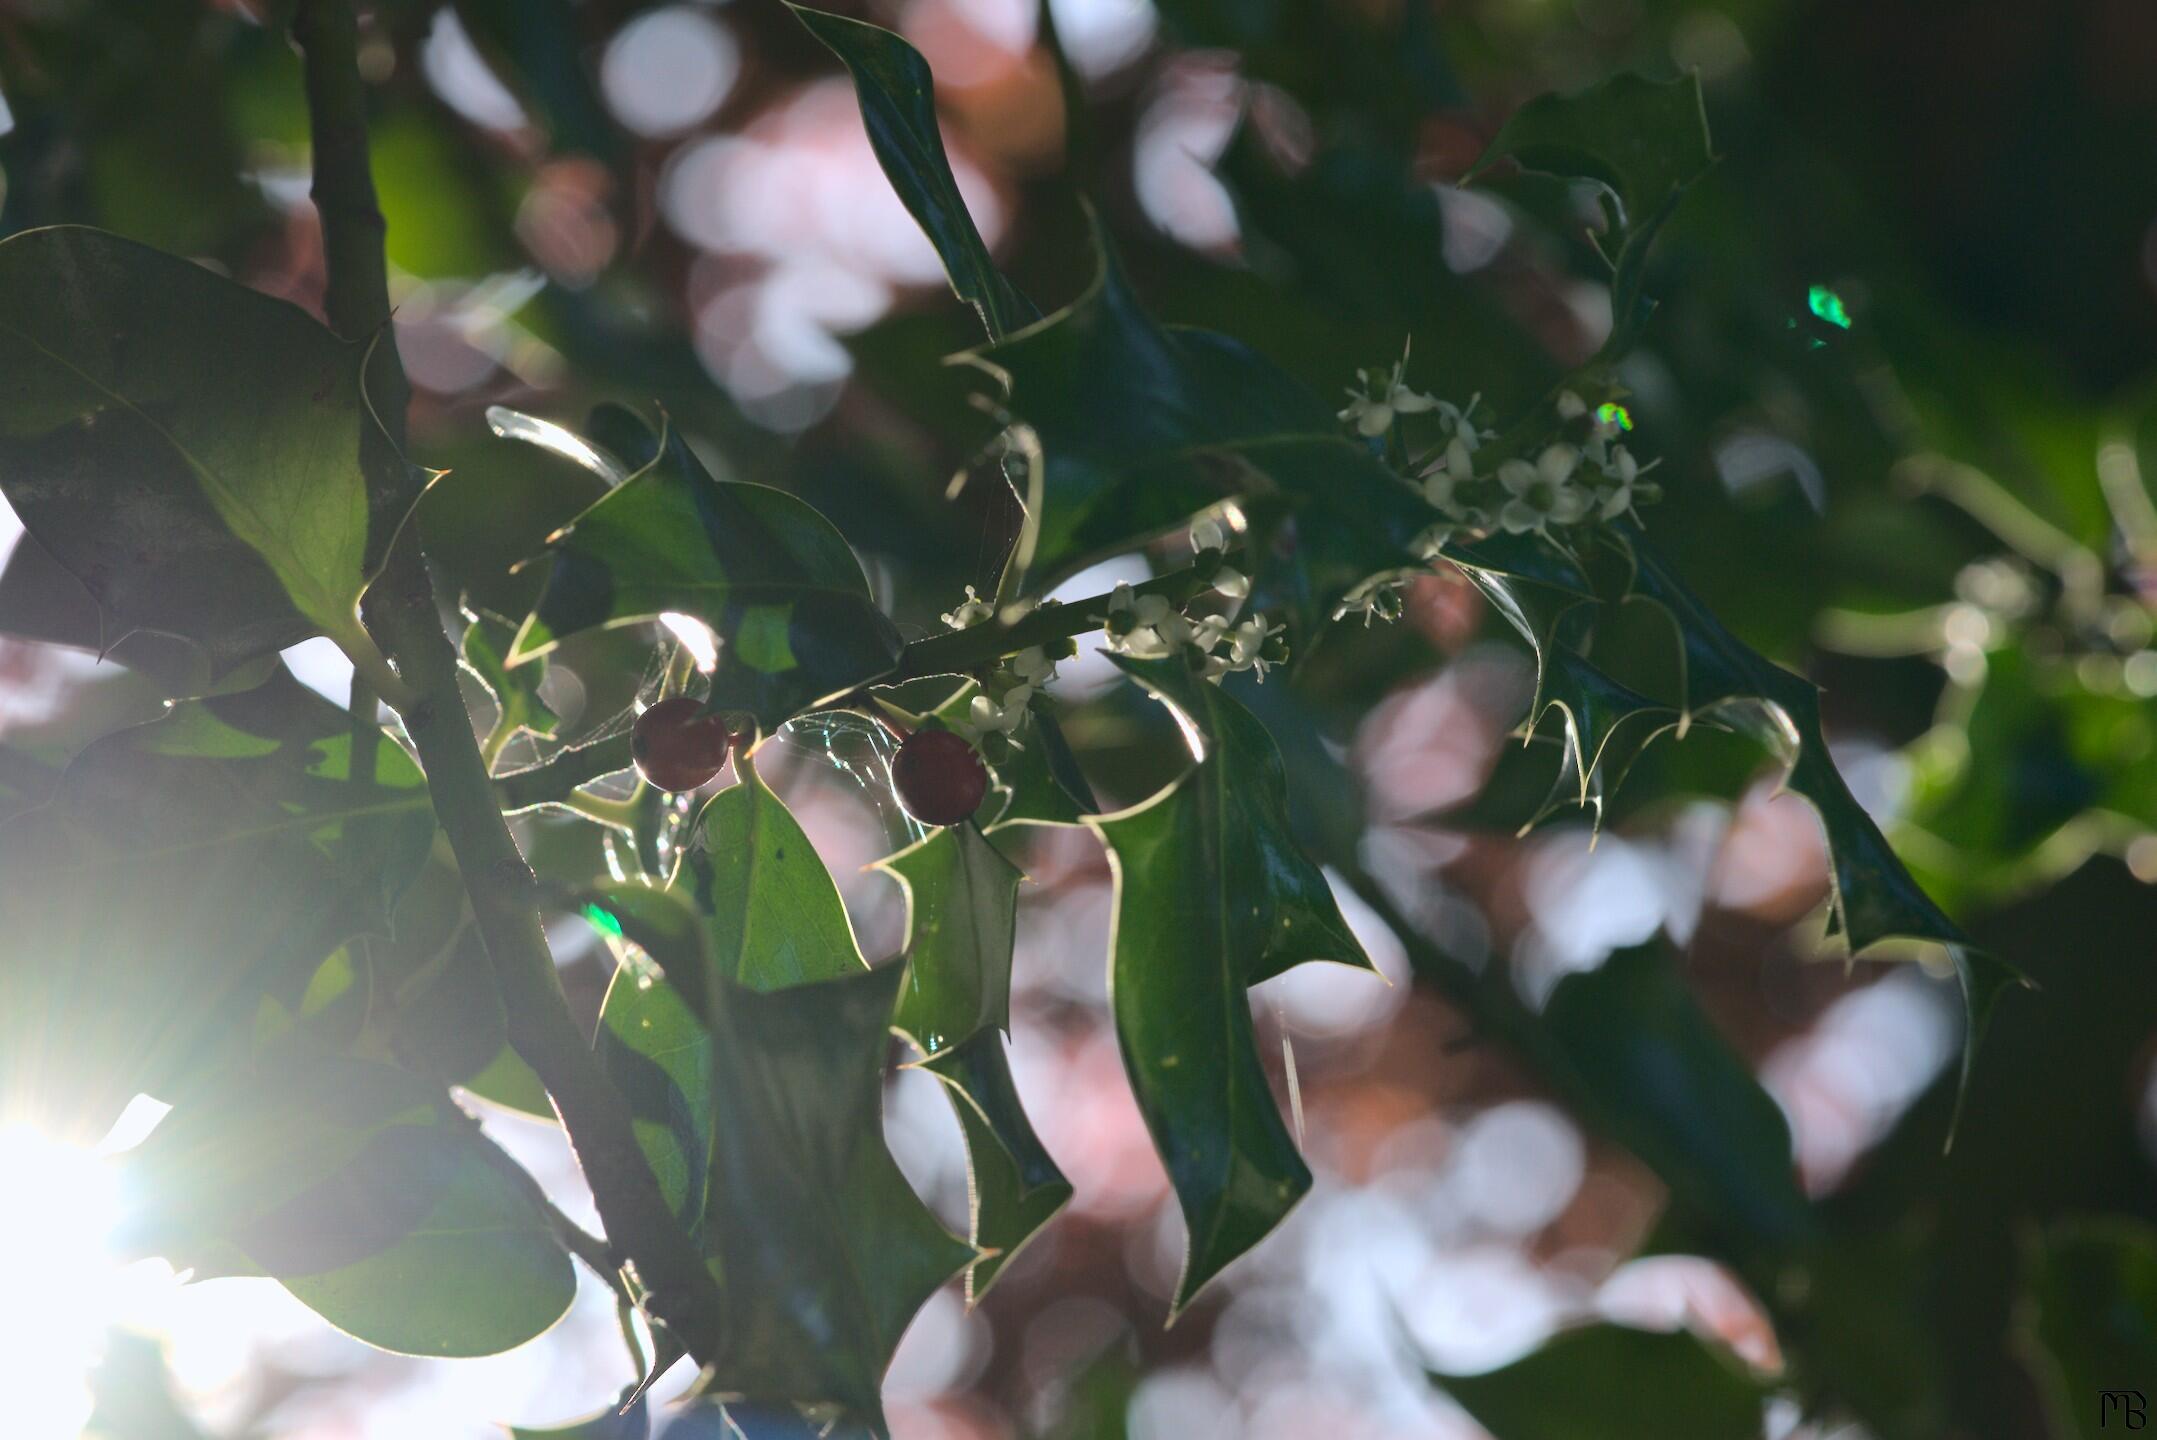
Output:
x,y
940,779
677,745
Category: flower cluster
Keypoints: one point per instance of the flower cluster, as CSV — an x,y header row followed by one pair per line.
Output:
x,y
999,705
1149,627
1565,484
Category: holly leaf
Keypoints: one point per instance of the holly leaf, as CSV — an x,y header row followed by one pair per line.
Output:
x,y
824,1250
898,108
1645,142
1606,1382
1670,1090
1016,1187
1607,724
485,652
962,901
365,1193
227,504
772,915
1872,897
1212,896
183,869
614,1423
771,577
961,906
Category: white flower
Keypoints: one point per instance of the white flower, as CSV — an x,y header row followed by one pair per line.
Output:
x,y
1372,406
1543,494
1620,497
1442,484
1571,406
1232,582
1247,646
973,612
1032,666
1120,598
984,715
1206,534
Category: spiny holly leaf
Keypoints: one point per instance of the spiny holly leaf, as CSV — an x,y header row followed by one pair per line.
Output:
x,y
1040,781
755,905
771,912
824,1251
183,869
962,899
1607,723
962,906
365,1193
1212,896
1873,896
1672,1091
613,1423
228,504
1644,141
898,107
1017,1188
1605,1382
2092,1321
770,576
485,652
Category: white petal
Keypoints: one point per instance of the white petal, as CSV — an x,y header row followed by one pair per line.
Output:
x,y
1519,517
1557,463
1517,476
1375,421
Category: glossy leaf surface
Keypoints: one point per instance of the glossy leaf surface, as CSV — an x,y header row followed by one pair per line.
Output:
x,y
366,1194
770,576
223,503
1212,896
898,107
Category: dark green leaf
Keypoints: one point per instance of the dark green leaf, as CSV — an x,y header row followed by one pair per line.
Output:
x,y
365,1193
770,576
1645,141
1874,897
1016,1186
962,897
184,869
1213,896
229,503
898,107
2093,1322
824,1252
1603,1382
1672,1092
962,905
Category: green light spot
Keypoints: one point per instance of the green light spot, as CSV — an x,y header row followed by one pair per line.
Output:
x,y
603,920
1610,412
1828,306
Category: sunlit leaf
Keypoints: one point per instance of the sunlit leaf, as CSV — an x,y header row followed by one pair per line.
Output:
x,y
228,504
1212,896
184,869
365,1193
954,1004
771,577
484,650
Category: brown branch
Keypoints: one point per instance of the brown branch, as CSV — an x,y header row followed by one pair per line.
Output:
x,y
405,621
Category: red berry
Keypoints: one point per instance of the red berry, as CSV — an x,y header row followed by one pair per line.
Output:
x,y
677,745
940,779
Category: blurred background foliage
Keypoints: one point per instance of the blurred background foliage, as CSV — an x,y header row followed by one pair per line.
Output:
x,y
1901,381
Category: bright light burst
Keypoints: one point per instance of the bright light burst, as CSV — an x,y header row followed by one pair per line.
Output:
x,y
58,1205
